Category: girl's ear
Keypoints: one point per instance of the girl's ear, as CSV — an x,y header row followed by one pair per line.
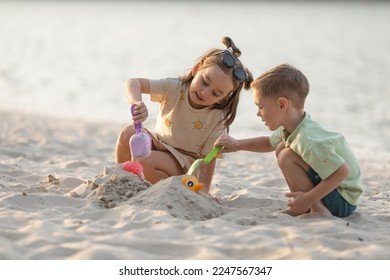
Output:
x,y
196,68
283,103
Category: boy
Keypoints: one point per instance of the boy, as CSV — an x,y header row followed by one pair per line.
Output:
x,y
320,169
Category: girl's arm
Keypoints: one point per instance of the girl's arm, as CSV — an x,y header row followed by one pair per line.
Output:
x,y
258,144
134,88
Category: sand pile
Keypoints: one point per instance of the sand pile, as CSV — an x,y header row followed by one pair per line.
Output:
x,y
171,196
115,186
111,187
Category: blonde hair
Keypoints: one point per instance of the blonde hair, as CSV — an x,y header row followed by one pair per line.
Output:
x,y
283,80
210,58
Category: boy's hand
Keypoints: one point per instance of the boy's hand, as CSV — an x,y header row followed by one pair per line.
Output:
x,y
299,204
140,112
228,143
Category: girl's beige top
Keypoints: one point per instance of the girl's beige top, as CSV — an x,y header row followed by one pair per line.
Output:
x,y
186,132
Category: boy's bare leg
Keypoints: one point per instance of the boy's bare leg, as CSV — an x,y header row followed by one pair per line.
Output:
x,y
294,171
319,209
280,147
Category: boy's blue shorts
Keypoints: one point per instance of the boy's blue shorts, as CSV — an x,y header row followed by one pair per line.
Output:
x,y
335,203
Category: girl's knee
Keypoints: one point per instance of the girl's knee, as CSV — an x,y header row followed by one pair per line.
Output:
x,y
122,149
125,134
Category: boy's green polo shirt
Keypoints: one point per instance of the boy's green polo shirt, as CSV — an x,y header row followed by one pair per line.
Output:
x,y
325,152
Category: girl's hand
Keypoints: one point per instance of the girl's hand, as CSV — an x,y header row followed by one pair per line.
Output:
x,y
228,143
140,112
299,204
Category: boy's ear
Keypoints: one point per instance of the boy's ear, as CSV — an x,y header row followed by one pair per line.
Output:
x,y
283,103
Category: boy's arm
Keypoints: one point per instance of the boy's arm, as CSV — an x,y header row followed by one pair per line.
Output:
x,y
259,144
303,201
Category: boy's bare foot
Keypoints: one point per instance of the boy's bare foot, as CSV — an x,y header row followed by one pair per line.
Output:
x,y
319,210
317,214
290,212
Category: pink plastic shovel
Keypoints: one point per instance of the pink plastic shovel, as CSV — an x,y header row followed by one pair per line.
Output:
x,y
141,142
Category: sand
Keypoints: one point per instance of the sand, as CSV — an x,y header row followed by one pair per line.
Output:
x,y
62,197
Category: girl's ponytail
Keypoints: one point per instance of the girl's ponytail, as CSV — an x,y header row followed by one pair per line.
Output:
x,y
228,42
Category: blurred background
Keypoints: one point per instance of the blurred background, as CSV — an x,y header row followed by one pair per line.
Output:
x,y
70,59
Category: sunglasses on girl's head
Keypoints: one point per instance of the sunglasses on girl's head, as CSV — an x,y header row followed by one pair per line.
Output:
x,y
229,61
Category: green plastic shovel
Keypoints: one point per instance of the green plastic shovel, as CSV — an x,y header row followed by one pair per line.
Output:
x,y
194,168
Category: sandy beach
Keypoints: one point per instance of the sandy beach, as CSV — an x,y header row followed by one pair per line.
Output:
x,y
62,105
40,164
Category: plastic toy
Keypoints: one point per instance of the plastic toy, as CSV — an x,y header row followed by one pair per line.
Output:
x,y
135,168
191,183
141,142
194,168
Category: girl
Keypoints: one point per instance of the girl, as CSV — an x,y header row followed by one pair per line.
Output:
x,y
195,109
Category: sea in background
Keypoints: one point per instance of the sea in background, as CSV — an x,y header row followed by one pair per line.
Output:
x,y
70,59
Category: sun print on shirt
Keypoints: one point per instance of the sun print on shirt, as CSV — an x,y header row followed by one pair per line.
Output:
x,y
182,96
168,122
198,125
200,147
